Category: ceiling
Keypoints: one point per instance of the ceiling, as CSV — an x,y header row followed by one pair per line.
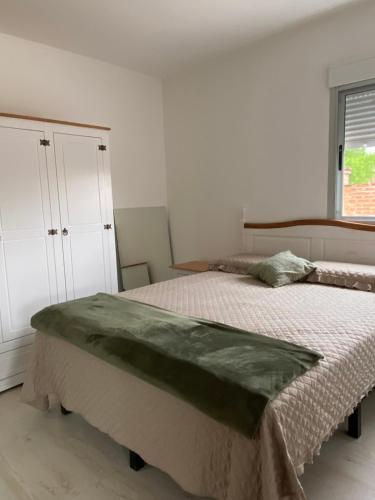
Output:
x,y
154,36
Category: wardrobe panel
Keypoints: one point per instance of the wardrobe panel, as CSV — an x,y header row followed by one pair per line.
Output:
x,y
87,254
27,282
21,198
13,363
27,273
82,199
81,171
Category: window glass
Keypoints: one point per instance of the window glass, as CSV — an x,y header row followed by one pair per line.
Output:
x,y
356,156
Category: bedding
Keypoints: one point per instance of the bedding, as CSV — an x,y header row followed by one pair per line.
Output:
x,y
356,276
281,269
206,457
228,373
238,263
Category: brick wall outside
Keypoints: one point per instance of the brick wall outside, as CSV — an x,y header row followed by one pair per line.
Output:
x,y
359,199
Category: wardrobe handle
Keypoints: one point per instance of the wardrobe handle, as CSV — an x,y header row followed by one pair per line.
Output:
x,y
65,232
107,226
52,232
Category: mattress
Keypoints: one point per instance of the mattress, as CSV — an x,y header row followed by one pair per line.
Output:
x,y
205,457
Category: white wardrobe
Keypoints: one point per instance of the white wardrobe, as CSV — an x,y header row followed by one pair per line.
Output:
x,y
56,226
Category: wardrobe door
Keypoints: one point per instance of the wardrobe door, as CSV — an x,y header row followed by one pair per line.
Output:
x,y
82,196
27,275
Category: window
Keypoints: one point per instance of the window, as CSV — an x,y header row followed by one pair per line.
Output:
x,y
355,169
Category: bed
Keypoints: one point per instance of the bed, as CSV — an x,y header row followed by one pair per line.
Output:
x,y
204,456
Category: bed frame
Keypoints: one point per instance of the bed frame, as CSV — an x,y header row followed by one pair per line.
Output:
x,y
136,462
313,239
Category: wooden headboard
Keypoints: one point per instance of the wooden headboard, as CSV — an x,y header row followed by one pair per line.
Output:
x,y
314,239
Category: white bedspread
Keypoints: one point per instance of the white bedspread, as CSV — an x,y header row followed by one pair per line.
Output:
x,y
203,456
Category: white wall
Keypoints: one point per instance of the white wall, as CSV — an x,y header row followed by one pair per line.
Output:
x,y
42,81
252,129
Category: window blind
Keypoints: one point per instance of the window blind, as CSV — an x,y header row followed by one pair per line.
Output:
x,y
360,119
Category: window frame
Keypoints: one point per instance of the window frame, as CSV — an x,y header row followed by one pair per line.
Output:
x,y
339,98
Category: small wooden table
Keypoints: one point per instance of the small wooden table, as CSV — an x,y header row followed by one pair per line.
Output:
x,y
194,266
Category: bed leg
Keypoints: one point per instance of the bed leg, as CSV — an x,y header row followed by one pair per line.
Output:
x,y
64,411
355,423
135,461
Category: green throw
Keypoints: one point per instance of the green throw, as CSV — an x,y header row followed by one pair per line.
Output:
x,y
227,373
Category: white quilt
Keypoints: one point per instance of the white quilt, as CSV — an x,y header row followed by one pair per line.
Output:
x,y
203,456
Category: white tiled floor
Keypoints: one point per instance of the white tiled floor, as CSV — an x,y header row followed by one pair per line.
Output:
x,y
44,456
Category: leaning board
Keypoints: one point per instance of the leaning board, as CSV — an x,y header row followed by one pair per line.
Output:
x,y
143,236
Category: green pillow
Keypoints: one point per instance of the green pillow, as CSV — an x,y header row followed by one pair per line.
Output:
x,y
281,269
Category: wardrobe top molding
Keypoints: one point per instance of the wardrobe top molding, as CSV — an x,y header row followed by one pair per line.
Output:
x,y
50,120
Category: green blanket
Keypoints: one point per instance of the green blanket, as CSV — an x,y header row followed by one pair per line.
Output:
x,y
227,373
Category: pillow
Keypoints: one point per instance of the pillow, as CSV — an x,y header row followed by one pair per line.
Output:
x,y
281,269
237,264
354,276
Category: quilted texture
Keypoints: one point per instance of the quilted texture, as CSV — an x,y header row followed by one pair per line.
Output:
x,y
357,276
205,457
238,263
